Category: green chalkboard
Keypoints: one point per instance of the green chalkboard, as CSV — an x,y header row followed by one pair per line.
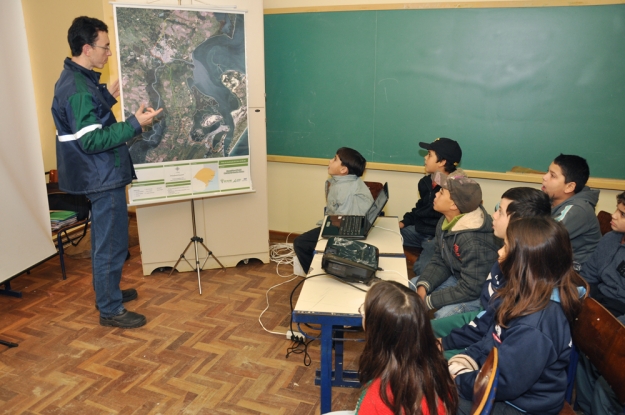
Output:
x,y
513,86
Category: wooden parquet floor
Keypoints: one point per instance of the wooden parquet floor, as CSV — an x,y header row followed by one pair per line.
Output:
x,y
197,355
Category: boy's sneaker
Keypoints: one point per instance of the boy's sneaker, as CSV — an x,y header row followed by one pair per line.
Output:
x,y
127,295
125,320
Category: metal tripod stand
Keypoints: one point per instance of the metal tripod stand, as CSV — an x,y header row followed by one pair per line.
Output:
x,y
195,240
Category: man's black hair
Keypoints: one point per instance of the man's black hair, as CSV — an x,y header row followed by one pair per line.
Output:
x,y
353,160
449,167
84,31
620,198
527,202
574,169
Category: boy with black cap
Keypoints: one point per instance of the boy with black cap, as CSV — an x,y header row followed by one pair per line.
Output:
x,y
419,225
465,248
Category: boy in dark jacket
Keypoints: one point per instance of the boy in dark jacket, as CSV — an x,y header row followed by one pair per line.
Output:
x,y
605,272
465,248
419,225
573,203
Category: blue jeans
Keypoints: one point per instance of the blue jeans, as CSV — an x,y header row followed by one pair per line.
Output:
x,y
109,247
451,309
429,247
412,237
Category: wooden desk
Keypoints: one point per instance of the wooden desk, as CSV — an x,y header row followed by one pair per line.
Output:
x,y
333,305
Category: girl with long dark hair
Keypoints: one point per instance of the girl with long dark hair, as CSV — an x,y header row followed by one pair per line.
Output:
x,y
402,370
531,325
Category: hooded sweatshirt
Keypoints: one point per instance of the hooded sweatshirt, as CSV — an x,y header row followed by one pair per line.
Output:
x,y
577,214
605,269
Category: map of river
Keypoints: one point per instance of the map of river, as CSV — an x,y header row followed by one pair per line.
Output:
x,y
191,64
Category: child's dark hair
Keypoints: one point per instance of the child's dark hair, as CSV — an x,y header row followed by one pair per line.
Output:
x,y
401,351
527,202
574,169
353,160
449,167
538,259
620,198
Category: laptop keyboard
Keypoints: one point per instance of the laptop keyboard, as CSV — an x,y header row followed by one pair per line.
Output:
x,y
350,225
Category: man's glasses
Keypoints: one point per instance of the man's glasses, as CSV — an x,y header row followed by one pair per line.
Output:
x,y
106,48
361,309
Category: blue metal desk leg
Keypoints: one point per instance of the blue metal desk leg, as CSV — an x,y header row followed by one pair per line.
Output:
x,y
326,368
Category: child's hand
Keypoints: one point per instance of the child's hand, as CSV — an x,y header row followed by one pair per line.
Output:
x,y
422,292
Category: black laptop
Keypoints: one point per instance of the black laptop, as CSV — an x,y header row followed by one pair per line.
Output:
x,y
355,226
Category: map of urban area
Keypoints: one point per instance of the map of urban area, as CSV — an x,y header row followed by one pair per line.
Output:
x,y
191,64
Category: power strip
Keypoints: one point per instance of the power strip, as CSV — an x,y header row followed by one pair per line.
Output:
x,y
290,335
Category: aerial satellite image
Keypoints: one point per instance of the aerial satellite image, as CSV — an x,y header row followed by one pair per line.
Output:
x,y
191,64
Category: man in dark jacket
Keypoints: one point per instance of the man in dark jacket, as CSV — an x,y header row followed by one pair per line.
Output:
x,y
93,159
465,248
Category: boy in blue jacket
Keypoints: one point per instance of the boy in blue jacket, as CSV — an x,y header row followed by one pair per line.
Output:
x,y
605,272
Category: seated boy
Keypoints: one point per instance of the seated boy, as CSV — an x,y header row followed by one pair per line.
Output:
x,y
465,248
573,204
419,225
605,272
458,331
346,194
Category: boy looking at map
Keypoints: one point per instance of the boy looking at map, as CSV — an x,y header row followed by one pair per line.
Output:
x,y
346,194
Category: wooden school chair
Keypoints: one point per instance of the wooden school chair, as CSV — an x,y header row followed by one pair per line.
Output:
x,y
485,386
601,337
604,221
375,188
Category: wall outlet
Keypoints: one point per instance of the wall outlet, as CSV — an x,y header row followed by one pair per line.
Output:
x,y
295,336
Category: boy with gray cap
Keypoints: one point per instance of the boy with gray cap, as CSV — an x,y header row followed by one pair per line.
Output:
x,y
465,249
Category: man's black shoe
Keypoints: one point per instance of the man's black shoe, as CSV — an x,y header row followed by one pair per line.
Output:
x,y
127,295
126,320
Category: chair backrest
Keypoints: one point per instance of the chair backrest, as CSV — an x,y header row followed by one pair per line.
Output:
x,y
375,188
76,203
601,337
485,386
604,221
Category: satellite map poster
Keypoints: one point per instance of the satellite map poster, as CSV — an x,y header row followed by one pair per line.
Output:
x,y
191,63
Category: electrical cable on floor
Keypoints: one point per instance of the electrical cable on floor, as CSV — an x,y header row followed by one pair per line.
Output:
x,y
282,254
295,348
267,308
